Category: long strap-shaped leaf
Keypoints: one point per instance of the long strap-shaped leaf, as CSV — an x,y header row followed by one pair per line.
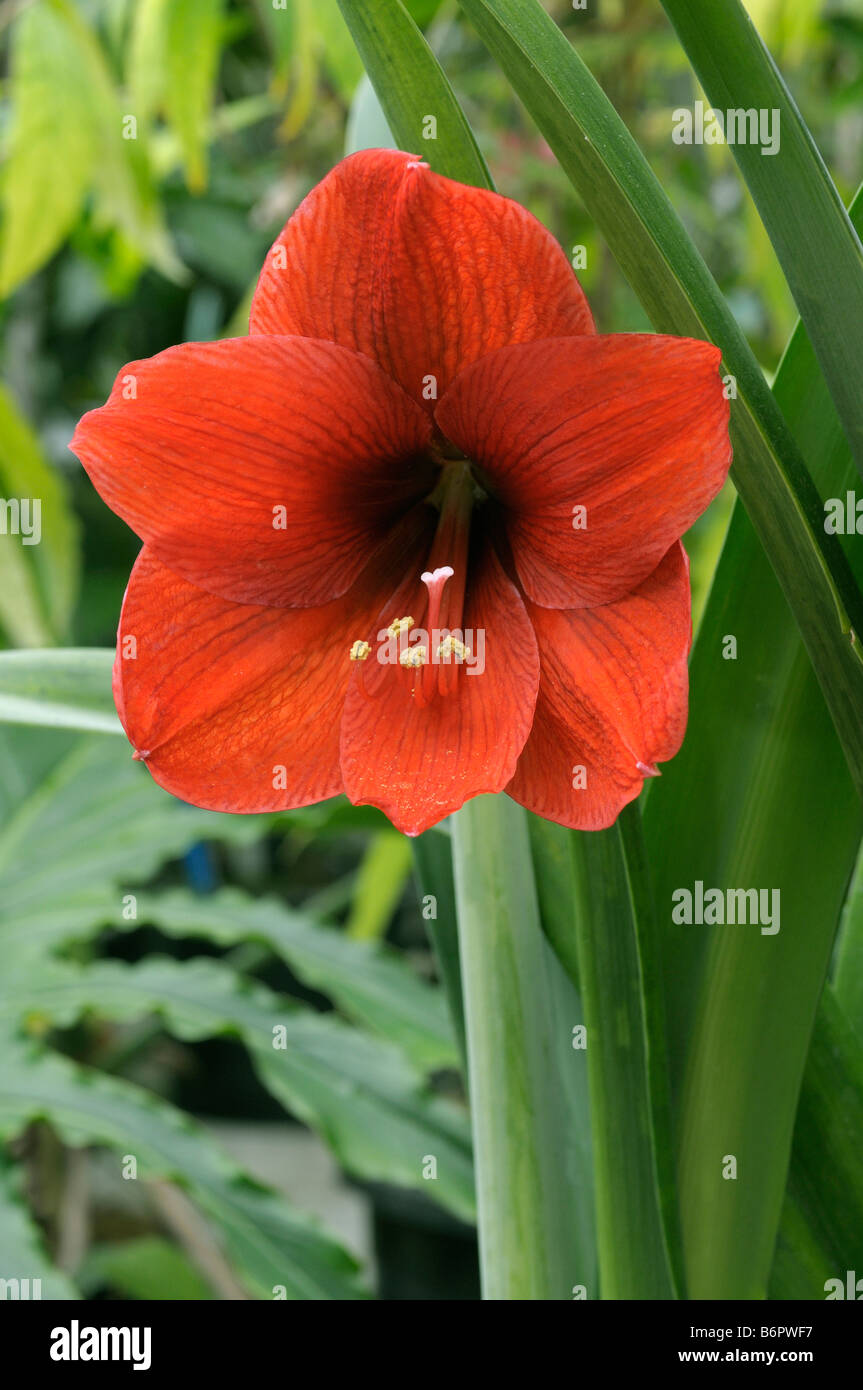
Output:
x,y
411,86
805,218
665,269
825,1189
621,989
741,1003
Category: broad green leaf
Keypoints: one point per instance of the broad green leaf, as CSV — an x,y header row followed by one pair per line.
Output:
x,y
145,1267
759,797
52,155
527,1077
811,232
23,1256
192,48
80,831
411,87
372,984
379,886
45,551
662,264
358,1092
267,1241
621,990
65,688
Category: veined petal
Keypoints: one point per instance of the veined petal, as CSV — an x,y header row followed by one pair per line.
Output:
x,y
612,699
264,470
602,450
419,763
236,707
421,273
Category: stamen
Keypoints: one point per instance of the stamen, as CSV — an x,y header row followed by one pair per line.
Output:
x,y
413,657
452,647
400,625
359,653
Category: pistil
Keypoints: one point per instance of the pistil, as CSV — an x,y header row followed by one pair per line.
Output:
x,y
432,669
446,576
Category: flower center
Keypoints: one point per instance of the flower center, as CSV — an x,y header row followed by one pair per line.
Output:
x,y
427,651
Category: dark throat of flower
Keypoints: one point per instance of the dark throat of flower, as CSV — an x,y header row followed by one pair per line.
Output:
x,y
429,667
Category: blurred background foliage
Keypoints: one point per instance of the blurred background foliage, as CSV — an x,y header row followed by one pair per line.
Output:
x,y
151,151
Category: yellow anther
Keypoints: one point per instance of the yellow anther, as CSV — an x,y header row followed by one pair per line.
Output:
x,y
412,657
359,651
452,646
400,625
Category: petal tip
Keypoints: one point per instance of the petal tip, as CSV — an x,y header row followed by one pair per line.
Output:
x,y
648,769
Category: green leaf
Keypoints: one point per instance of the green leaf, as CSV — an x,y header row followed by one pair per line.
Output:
x,y
192,48
367,125
125,197
663,266
528,1100
38,596
51,156
371,983
68,688
621,990
22,1247
759,746
145,1267
848,975
411,86
826,1182
358,1092
811,232
432,853
146,66
80,829
800,1263
551,851
268,1242
341,59
379,886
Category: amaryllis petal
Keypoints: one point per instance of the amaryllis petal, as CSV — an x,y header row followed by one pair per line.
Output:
x,y
421,273
262,470
420,762
612,699
602,450
236,707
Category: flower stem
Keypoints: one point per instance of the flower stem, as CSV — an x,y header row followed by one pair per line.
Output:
x,y
519,1045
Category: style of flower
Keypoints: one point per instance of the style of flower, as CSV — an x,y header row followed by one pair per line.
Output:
x,y
417,537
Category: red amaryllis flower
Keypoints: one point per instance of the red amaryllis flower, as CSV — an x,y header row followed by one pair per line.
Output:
x,y
417,536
